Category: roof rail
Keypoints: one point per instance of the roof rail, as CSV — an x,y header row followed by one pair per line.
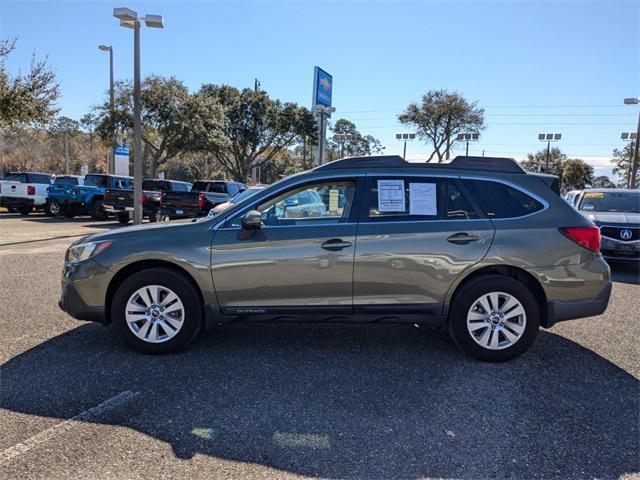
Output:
x,y
379,161
498,164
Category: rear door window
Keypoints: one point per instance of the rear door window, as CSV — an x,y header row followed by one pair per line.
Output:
x,y
404,199
499,200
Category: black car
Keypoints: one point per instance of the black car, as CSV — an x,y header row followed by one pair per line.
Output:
x,y
204,195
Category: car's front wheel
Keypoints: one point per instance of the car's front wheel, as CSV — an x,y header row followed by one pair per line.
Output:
x,y
494,318
52,208
157,311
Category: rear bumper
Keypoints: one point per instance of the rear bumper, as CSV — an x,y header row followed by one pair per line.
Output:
x,y
559,311
16,202
184,212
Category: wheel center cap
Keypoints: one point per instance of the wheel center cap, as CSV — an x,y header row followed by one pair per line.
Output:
x,y
155,313
495,318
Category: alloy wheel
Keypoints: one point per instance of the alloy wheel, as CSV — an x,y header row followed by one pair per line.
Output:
x,y
496,320
154,314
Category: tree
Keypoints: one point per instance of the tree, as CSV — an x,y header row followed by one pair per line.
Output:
x,y
602,181
537,161
174,121
26,99
440,117
622,160
347,141
256,128
576,174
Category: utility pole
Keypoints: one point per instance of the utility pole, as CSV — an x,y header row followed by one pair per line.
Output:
x,y
256,85
634,160
111,162
66,151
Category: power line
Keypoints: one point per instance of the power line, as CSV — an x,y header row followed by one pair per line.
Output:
x,y
494,106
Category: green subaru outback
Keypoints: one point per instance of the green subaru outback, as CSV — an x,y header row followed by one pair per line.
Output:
x,y
476,245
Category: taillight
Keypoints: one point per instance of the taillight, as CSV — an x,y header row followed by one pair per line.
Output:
x,y
201,200
144,198
588,237
31,190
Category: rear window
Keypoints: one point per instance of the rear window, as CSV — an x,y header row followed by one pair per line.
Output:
x,y
66,181
16,177
181,187
157,185
96,181
217,188
502,201
39,178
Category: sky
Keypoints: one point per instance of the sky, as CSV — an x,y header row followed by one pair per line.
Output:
x,y
535,67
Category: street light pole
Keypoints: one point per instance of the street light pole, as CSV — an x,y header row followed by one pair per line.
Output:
x,y
548,137
129,19
112,109
405,137
634,159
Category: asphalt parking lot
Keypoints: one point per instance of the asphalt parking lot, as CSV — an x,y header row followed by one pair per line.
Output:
x,y
297,401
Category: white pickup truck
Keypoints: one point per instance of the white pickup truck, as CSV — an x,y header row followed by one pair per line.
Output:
x,y
25,191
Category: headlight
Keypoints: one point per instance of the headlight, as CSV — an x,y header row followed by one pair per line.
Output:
x,y
84,251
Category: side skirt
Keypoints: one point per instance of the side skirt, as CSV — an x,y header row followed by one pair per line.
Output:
x,y
421,314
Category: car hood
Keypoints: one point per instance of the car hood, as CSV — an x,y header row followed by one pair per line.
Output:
x,y
155,229
613,218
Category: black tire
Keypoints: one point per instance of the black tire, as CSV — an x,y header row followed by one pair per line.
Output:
x,y
123,218
25,210
97,210
183,288
467,296
154,216
68,211
52,209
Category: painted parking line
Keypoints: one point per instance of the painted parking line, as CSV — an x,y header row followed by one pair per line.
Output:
x,y
51,432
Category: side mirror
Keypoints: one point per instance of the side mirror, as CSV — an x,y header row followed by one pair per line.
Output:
x,y
252,220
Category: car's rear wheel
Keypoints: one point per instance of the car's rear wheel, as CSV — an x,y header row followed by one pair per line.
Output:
x,y
97,210
52,208
157,311
123,218
494,318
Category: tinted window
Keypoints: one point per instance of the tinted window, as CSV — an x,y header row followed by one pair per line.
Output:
x,y
39,178
16,177
96,181
424,199
217,187
502,201
121,183
66,181
157,185
180,187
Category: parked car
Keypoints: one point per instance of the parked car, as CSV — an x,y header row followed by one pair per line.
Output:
x,y
477,245
59,191
89,197
572,196
204,195
120,202
25,191
237,198
617,212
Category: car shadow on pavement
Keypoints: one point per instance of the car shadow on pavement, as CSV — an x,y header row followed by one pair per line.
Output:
x,y
625,272
345,401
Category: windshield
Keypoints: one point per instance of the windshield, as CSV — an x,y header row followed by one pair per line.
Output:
x,y
611,202
245,194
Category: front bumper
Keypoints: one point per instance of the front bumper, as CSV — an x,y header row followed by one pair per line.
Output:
x,y
84,287
614,249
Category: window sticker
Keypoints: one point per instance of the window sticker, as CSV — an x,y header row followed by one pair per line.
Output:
x,y
594,195
334,196
422,199
391,196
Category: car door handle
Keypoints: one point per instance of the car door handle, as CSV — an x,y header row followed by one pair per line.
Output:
x,y
335,244
461,238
